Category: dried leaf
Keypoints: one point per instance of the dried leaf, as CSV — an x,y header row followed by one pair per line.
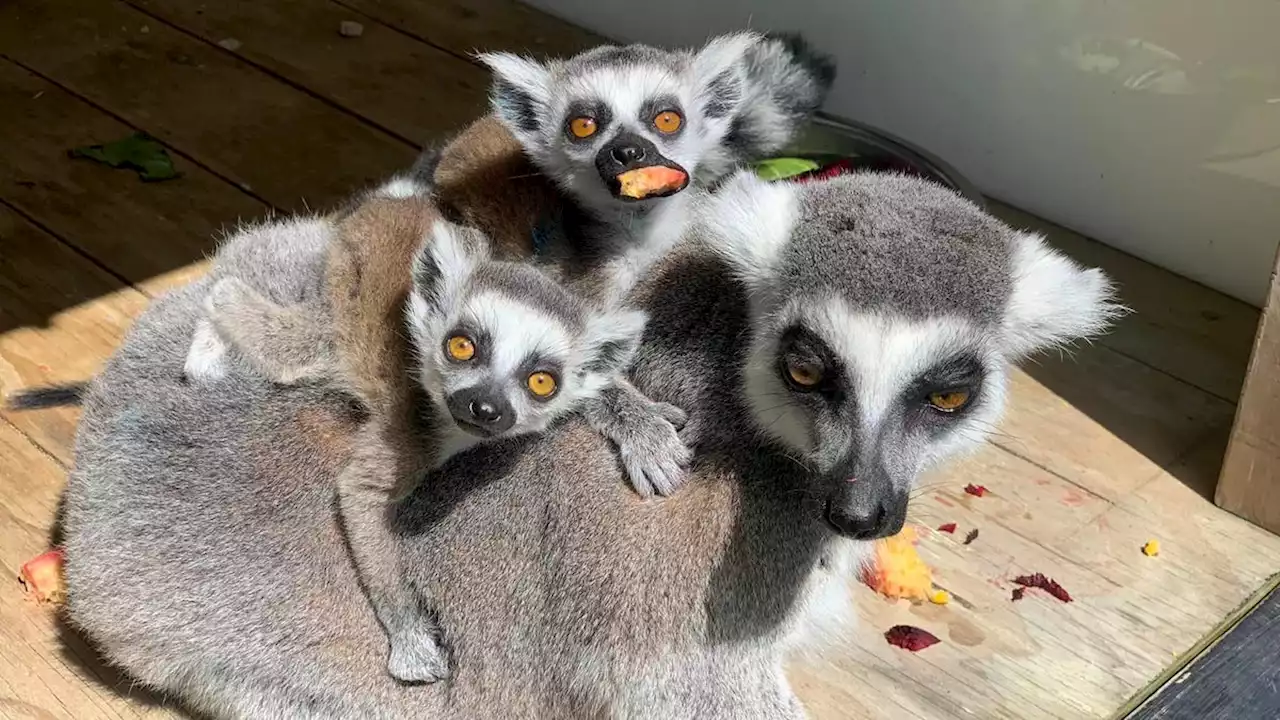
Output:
x,y
909,637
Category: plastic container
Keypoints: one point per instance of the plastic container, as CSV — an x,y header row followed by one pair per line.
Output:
x,y
828,138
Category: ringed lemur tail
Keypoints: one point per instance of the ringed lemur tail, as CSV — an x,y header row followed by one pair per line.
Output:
x,y
47,397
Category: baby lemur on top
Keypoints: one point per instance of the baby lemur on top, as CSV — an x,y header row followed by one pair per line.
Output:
x,y
631,135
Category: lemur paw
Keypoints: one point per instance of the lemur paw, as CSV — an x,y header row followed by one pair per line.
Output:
x,y
654,455
417,656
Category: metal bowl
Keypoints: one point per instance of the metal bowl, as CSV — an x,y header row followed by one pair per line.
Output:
x,y
828,138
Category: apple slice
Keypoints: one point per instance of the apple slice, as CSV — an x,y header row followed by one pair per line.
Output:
x,y
42,577
649,181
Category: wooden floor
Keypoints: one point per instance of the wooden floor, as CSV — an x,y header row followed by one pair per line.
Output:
x,y
267,108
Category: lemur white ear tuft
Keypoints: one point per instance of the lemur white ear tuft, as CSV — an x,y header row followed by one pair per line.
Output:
x,y
1054,300
720,72
611,340
444,264
748,222
520,93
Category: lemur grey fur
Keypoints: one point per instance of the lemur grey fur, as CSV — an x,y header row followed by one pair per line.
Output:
x,y
342,336
881,315
743,94
590,122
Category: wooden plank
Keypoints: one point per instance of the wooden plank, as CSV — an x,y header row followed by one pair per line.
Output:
x,y
1239,677
404,85
1132,615
464,26
1105,421
60,318
140,231
1178,325
291,149
46,670
1250,482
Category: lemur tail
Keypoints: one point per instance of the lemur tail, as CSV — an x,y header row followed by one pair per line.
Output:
x,y
47,397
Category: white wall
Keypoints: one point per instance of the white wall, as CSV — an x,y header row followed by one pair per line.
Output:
x,y
1152,125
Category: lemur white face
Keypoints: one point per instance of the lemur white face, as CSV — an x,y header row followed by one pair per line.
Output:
x,y
502,349
634,124
886,312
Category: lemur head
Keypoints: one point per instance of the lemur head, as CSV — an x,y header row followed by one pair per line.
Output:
x,y
502,349
618,125
885,314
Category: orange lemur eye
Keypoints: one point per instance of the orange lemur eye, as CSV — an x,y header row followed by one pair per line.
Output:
x,y
461,348
667,121
542,384
949,401
804,375
582,127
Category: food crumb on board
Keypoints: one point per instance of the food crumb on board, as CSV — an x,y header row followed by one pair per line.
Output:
x,y
947,528
973,535
975,490
42,577
896,570
939,597
350,29
909,637
1151,548
1039,580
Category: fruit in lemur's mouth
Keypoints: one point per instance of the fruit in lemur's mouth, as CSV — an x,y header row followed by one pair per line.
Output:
x,y
653,180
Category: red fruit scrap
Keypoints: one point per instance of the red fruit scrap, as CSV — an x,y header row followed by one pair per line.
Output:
x,y
947,528
909,637
975,490
1038,580
835,169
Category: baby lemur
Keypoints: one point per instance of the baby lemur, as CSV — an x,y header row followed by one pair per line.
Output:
x,y
600,126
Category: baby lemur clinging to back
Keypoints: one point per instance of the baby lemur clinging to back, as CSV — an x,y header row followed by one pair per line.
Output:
x,y
494,350
630,135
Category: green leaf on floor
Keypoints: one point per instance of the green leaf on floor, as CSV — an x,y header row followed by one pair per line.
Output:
x,y
137,152
783,168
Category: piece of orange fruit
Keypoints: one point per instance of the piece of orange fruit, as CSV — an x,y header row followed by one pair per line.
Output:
x,y
643,182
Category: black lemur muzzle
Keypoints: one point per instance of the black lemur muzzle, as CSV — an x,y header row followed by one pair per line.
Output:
x,y
629,151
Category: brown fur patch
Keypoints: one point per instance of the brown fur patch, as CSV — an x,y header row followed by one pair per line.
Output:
x,y
485,180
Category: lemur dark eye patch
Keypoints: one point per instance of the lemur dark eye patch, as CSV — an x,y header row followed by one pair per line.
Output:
x,y
583,119
805,361
950,386
465,344
663,113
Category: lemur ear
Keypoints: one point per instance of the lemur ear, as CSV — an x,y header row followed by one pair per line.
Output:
x,y
443,265
1054,300
748,221
720,75
781,83
520,93
611,340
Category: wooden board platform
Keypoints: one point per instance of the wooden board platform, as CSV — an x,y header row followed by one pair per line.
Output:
x,y
1101,451
1236,679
